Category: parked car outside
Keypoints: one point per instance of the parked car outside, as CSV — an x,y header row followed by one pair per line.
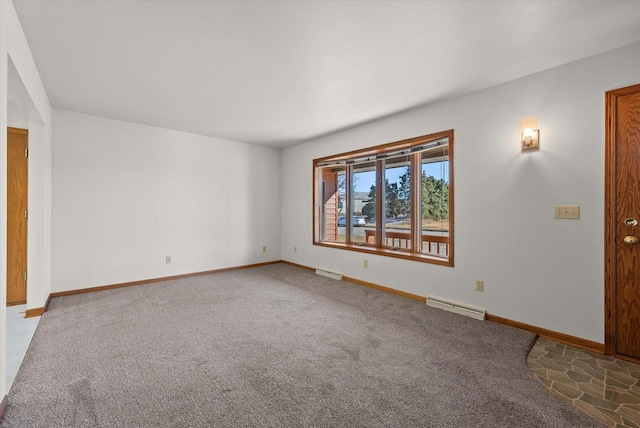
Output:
x,y
355,221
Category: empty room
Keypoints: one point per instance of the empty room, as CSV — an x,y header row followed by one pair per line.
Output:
x,y
319,213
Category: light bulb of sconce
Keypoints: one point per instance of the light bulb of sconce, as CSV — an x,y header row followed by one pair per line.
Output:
x,y
529,133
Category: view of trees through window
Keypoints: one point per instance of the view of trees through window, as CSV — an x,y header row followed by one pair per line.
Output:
x,y
403,216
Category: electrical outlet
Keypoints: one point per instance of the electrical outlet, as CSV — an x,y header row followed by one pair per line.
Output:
x,y
566,211
295,249
479,285
264,248
366,263
168,259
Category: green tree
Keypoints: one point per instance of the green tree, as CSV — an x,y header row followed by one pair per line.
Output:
x,y
369,209
392,202
404,192
435,198
397,199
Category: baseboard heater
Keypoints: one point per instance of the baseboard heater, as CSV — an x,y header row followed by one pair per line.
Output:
x,y
457,308
329,274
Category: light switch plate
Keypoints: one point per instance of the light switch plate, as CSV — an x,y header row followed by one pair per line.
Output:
x,y
566,211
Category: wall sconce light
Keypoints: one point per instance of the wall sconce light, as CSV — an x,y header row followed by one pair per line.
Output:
x,y
529,133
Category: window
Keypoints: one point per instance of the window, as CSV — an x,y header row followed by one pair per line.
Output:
x,y
394,200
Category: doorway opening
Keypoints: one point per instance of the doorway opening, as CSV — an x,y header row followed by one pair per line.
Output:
x,y
17,215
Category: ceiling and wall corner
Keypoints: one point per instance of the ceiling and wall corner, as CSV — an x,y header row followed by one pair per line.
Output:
x,y
282,72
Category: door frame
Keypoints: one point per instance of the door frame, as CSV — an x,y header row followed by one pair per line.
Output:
x,y
610,220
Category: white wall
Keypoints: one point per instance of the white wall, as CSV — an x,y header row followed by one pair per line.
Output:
x,y
39,223
16,117
537,270
125,196
19,76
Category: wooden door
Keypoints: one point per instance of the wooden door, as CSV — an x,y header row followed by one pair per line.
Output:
x,y
622,326
17,173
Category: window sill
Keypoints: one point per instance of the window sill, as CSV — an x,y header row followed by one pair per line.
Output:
x,y
423,258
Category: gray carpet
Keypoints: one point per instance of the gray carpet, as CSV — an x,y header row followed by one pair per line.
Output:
x,y
274,346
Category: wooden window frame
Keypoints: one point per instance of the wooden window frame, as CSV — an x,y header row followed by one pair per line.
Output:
x,y
416,226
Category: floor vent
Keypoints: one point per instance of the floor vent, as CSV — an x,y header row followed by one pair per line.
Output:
x,y
457,308
329,274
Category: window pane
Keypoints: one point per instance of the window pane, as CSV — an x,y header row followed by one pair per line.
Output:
x,y
363,204
397,203
435,201
332,196
396,198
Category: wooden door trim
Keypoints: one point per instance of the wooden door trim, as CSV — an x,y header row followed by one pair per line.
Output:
x,y
17,130
610,216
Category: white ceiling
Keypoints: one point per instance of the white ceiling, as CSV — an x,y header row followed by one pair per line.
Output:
x,y
279,73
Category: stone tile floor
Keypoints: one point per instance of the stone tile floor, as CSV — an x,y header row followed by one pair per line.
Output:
x,y
604,387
